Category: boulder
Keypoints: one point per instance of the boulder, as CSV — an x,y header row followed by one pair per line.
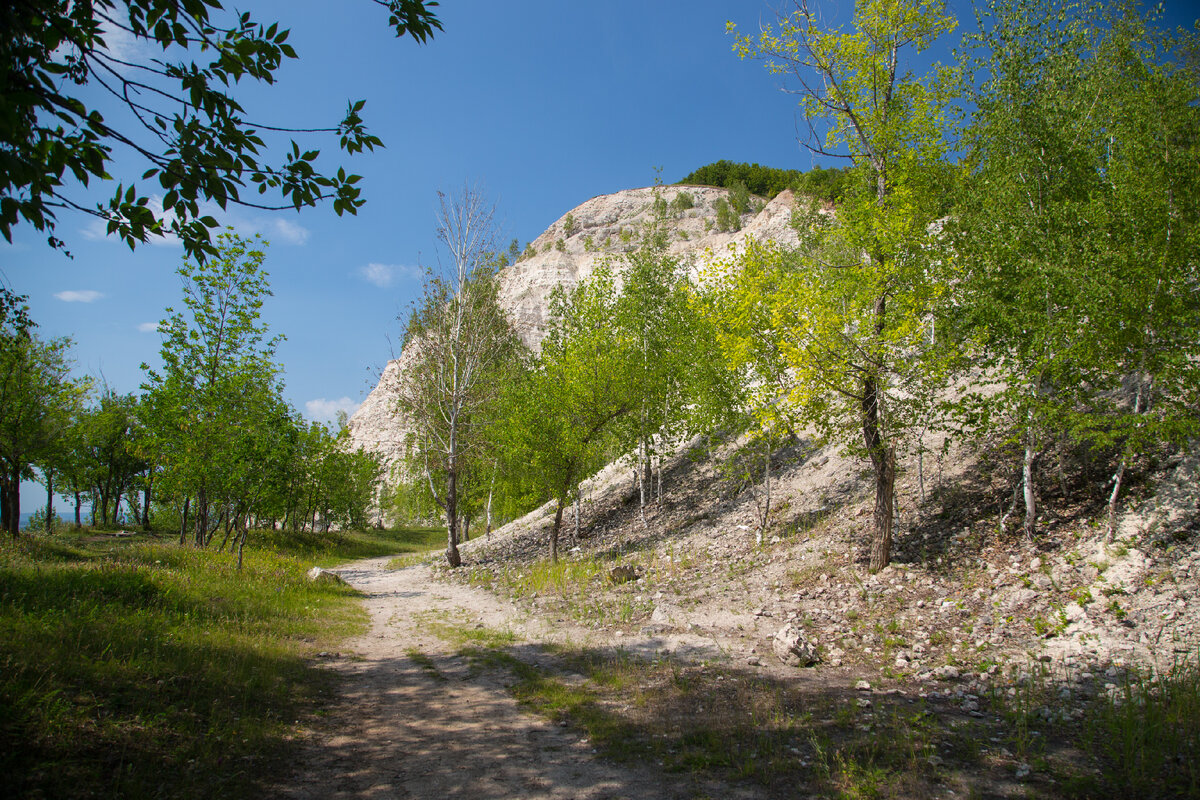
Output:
x,y
793,648
318,575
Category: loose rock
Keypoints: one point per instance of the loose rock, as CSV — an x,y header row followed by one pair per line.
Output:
x,y
793,648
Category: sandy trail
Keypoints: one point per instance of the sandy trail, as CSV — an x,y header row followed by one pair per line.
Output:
x,y
399,731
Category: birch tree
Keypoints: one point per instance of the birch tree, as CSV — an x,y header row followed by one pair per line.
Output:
x,y
457,344
1078,234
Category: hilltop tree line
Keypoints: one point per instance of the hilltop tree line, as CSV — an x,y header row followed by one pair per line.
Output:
x,y
209,447
824,183
1025,273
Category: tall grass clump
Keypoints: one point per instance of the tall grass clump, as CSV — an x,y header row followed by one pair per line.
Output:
x,y
1147,734
141,669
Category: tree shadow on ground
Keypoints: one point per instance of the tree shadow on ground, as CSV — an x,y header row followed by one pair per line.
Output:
x,y
808,734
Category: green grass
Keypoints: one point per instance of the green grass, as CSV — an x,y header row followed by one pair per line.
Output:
x,y
137,668
1147,734
582,587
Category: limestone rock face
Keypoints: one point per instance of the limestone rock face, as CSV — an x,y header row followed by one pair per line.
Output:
x,y
609,225
376,426
565,254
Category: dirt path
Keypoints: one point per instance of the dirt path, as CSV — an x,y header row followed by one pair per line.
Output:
x,y
400,731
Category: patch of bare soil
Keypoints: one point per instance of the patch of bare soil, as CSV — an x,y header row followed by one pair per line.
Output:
x,y
414,719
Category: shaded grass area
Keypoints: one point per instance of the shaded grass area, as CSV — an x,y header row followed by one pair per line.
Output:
x,y
137,668
717,724
808,737
1147,731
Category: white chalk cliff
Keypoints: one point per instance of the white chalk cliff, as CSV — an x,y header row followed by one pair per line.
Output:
x,y
566,253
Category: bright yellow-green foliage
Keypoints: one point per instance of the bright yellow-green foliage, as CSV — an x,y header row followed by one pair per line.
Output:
x,y
873,110
852,304
735,301
850,312
802,336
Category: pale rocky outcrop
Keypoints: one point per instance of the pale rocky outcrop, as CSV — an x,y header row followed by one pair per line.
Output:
x,y
568,251
607,226
792,647
376,426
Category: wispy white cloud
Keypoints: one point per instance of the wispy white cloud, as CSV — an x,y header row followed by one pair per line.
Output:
x,y
325,410
285,231
147,327
79,296
124,46
377,274
384,275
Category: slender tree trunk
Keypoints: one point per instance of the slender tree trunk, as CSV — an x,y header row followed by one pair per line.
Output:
x,y
1119,475
452,556
49,501
883,458
643,478
10,503
135,511
14,504
241,545
78,507
766,510
103,495
5,511
885,483
491,489
201,535
183,527
921,470
466,527
558,514
1027,476
659,471
577,515
146,502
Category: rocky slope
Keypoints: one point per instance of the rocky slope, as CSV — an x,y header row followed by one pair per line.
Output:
x,y
961,590
1017,646
566,253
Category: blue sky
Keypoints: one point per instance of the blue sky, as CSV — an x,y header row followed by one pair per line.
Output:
x,y
540,104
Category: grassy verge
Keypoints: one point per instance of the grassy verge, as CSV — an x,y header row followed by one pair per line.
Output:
x,y
328,549
585,588
136,668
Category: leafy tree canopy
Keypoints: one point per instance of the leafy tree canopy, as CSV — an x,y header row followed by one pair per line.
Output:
x,y
178,115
